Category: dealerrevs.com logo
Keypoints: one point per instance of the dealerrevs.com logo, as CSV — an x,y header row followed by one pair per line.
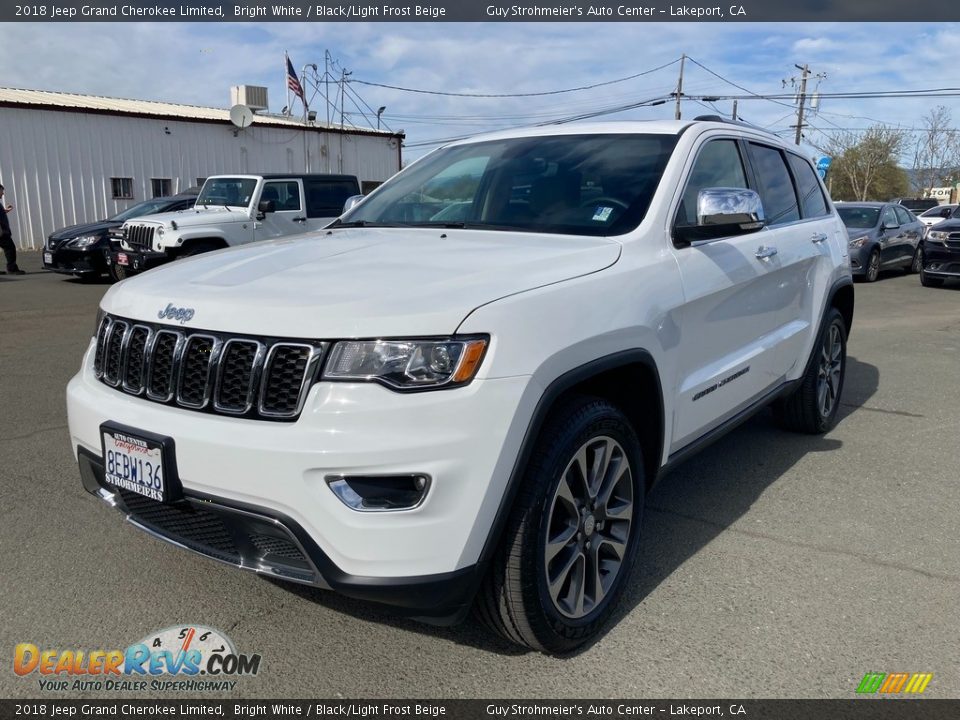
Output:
x,y
185,658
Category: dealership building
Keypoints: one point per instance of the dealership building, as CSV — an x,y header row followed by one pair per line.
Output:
x,y
67,159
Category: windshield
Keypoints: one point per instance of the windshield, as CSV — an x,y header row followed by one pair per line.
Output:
x,y
147,207
232,192
576,184
859,217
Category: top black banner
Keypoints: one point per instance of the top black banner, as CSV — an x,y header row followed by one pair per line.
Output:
x,y
713,11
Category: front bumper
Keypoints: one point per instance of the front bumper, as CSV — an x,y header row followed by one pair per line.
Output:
x,y
466,440
89,261
136,261
940,260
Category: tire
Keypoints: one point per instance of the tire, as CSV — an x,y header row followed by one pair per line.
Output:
x,y
916,265
872,271
562,529
928,281
119,272
198,249
812,408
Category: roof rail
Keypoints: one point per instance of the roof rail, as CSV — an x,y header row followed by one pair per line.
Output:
x,y
729,121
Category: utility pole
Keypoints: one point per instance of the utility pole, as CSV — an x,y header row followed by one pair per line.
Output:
x,y
803,99
676,112
734,115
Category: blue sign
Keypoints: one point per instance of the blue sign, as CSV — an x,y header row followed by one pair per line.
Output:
x,y
823,164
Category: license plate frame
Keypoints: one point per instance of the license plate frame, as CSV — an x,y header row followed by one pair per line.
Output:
x,y
144,452
122,259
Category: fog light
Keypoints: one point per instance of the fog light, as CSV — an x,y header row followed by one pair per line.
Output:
x,y
379,493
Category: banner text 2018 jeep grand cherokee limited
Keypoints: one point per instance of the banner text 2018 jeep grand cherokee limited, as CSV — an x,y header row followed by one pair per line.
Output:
x,y
459,394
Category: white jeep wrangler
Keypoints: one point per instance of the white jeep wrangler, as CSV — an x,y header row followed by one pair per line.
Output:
x,y
232,210
459,394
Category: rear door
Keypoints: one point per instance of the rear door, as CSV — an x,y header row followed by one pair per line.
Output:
x,y
910,232
325,199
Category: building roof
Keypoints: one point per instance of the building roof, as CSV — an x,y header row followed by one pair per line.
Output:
x,y
47,100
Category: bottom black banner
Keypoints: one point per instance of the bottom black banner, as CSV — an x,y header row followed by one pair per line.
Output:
x,y
854,709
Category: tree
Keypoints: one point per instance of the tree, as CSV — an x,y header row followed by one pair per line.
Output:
x,y
937,153
865,165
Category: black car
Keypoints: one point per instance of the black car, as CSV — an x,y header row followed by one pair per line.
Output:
x,y
79,249
941,253
916,205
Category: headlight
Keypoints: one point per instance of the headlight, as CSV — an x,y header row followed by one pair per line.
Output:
x,y
407,364
938,236
83,241
860,241
160,231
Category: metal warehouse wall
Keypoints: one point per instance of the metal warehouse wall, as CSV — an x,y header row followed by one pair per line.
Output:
x,y
56,165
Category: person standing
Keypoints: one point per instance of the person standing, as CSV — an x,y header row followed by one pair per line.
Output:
x,y
6,239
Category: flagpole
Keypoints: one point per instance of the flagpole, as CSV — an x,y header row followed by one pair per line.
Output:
x,y
286,82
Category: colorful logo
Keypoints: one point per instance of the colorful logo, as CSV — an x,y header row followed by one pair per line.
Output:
x,y
199,657
892,683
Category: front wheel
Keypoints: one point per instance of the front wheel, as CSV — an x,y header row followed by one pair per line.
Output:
x,y
916,265
571,542
812,408
873,267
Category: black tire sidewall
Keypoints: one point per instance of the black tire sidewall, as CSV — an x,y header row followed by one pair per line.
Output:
x,y
872,271
833,319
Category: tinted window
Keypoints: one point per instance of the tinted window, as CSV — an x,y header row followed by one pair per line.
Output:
x,y
776,188
812,202
903,215
718,164
325,198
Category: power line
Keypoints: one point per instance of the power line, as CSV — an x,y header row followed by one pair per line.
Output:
x,y
517,95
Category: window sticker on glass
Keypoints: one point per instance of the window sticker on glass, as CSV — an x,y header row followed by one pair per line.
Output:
x,y
602,213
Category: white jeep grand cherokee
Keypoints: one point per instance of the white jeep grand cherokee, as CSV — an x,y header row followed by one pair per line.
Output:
x,y
460,393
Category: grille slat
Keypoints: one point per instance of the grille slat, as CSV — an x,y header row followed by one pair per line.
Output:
x,y
139,237
213,372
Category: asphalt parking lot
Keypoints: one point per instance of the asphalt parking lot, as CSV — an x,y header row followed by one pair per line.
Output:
x,y
775,565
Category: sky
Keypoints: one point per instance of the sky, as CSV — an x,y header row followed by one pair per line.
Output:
x,y
197,63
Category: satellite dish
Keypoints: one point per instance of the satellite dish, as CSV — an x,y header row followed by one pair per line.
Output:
x,y
241,116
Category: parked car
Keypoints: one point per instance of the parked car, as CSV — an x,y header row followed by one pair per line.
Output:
x,y
233,210
882,236
78,250
441,413
916,204
941,253
937,214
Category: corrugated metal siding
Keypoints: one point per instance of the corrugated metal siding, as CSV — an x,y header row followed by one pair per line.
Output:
x,y
57,166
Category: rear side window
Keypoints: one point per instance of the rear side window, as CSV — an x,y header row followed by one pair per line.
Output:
x,y
812,202
776,188
889,218
325,198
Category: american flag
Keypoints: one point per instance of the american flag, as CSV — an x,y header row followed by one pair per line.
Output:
x,y
292,82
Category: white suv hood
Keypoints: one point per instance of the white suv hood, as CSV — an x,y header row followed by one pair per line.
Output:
x,y
357,282
191,217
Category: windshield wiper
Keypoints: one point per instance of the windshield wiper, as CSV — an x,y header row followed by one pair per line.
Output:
x,y
361,224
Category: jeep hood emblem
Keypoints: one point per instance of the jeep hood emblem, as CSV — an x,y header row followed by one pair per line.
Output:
x,y
181,315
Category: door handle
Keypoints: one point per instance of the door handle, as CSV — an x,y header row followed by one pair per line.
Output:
x,y
299,219
764,252
818,237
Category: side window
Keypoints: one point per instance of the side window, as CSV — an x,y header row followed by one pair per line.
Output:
x,y
776,188
718,164
325,198
812,202
889,217
285,194
903,215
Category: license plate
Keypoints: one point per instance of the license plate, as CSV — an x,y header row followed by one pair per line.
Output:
x,y
48,258
139,462
122,259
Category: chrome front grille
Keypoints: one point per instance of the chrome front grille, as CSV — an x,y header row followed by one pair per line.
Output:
x,y
212,372
138,237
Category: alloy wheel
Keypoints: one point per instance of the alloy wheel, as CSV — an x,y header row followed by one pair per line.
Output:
x,y
588,527
830,371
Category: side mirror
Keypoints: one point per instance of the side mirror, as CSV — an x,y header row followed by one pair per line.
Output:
x,y
945,213
888,226
352,202
722,212
266,206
